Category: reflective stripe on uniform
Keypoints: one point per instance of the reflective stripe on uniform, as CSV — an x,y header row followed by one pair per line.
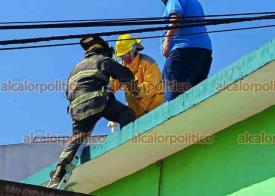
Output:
x,y
87,73
85,97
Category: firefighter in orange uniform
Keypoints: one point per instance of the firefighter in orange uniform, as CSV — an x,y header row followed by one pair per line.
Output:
x,y
147,76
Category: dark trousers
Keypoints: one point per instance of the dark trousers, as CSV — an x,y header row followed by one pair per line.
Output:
x,y
185,68
114,111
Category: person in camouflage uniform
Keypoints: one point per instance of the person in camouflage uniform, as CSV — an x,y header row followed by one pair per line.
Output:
x,y
90,98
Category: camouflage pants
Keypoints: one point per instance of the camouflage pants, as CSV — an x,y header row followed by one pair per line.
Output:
x,y
114,111
71,148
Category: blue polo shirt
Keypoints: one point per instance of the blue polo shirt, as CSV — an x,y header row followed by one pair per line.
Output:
x,y
187,8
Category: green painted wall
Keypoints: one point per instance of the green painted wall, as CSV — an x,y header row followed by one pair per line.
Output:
x,y
144,182
221,168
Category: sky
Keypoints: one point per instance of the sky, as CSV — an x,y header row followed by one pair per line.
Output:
x,y
44,113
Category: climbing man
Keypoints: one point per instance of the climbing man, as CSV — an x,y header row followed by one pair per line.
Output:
x,y
147,76
188,57
90,98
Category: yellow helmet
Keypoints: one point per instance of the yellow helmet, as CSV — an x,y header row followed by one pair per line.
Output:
x,y
126,43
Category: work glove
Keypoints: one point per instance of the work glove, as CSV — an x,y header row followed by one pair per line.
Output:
x,y
112,126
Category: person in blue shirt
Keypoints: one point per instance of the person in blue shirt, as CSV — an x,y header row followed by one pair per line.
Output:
x,y
188,52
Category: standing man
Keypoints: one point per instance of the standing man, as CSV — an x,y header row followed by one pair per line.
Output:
x,y
188,58
90,99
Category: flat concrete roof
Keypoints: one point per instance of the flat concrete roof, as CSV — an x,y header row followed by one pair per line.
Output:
x,y
9,188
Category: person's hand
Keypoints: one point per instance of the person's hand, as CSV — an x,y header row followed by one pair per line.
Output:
x,y
166,47
112,126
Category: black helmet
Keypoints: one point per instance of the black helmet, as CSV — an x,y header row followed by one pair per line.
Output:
x,y
96,43
164,1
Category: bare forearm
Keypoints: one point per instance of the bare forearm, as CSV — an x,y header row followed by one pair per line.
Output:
x,y
176,20
173,19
